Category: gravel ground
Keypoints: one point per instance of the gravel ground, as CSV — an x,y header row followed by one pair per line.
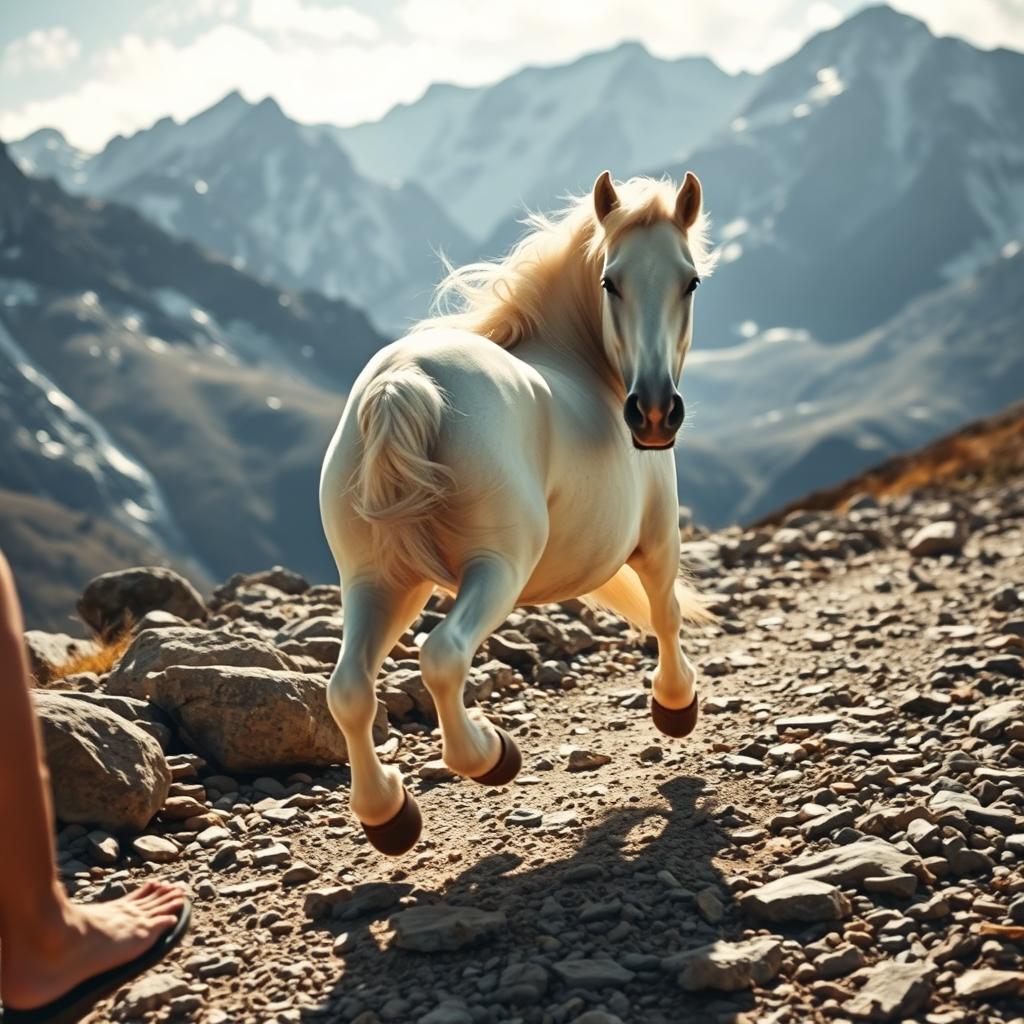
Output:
x,y
842,838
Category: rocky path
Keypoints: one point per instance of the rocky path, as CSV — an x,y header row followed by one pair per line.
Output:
x,y
841,839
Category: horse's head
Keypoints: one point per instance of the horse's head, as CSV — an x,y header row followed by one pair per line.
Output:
x,y
649,278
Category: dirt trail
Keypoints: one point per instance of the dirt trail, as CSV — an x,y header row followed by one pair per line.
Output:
x,y
583,890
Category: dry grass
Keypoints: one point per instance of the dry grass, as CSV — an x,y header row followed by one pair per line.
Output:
x,y
102,658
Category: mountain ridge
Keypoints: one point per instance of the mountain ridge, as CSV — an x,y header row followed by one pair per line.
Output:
x,y
190,388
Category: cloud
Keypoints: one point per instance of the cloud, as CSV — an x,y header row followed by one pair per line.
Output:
x,y
985,23
185,12
298,17
337,65
41,50
821,15
139,80
736,33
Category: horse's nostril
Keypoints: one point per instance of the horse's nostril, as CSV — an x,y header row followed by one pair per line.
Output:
x,y
676,413
633,413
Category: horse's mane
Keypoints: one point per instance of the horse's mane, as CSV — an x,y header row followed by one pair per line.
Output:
x,y
549,283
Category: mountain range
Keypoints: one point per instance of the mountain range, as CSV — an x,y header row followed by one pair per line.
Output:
x,y
149,392
544,133
280,200
768,421
181,313
876,164
877,153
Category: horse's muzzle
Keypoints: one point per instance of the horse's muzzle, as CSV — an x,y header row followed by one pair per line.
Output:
x,y
653,424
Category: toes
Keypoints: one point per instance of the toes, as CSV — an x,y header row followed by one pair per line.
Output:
x,y
171,902
161,902
163,922
144,890
173,897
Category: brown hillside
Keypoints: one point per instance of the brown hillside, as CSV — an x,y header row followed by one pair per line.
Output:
x,y
986,451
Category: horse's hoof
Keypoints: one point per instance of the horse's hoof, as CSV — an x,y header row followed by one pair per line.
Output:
x,y
677,722
508,765
399,834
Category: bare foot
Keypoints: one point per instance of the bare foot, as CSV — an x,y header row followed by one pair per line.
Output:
x,y
93,938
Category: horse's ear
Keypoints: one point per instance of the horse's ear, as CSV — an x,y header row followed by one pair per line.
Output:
x,y
688,200
605,196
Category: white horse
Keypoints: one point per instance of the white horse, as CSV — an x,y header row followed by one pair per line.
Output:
x,y
518,451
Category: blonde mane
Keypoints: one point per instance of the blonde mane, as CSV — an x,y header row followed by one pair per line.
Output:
x,y
549,283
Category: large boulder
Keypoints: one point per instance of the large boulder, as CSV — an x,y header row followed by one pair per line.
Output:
x,y
105,772
147,716
48,652
250,719
279,578
112,601
155,650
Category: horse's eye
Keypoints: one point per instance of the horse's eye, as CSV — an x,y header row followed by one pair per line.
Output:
x,y
609,286
692,286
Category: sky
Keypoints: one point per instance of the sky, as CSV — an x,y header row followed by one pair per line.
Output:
x,y
94,70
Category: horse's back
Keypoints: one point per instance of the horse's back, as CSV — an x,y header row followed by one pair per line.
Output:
x,y
496,407
490,441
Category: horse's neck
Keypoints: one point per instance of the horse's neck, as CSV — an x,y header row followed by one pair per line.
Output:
x,y
569,337
580,360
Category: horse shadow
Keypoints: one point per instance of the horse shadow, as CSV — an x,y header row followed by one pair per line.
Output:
x,y
609,899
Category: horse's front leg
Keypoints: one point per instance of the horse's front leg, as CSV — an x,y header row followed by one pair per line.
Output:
x,y
472,746
375,617
674,693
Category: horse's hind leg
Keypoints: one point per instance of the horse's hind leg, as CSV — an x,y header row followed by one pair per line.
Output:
x,y
472,746
375,617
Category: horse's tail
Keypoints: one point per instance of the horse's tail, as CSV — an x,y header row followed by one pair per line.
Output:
x,y
397,488
624,594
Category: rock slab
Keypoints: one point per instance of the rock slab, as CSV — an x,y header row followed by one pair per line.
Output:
x,y
727,966
893,991
593,974
155,650
1003,719
797,898
945,537
851,864
254,719
438,928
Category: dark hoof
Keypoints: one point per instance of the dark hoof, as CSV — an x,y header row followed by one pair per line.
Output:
x,y
509,763
401,833
676,723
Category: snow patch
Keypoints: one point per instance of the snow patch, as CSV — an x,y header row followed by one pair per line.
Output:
x,y
63,430
17,292
161,210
